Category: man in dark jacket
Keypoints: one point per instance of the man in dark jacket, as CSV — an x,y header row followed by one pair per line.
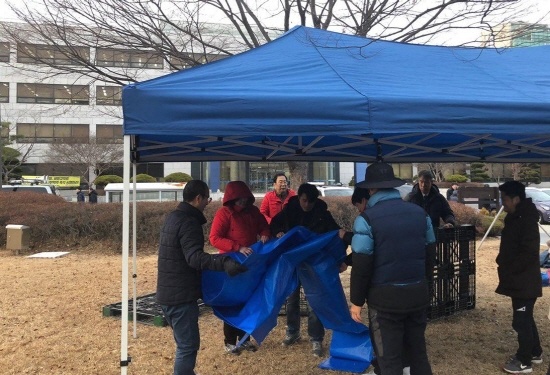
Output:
x,y
519,273
390,244
426,195
307,210
180,261
92,195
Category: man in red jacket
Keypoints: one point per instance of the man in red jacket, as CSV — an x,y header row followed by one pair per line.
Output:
x,y
275,200
519,273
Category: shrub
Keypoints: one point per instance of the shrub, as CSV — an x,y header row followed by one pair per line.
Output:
x,y
464,214
106,179
484,222
456,178
178,177
144,178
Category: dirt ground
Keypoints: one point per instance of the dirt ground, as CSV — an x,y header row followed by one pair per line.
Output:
x,y
52,323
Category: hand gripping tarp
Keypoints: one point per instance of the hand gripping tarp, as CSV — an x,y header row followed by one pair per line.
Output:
x,y
252,300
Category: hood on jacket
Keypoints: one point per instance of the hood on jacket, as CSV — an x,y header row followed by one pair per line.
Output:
x,y
235,190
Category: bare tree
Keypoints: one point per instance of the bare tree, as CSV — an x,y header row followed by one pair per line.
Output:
x,y
183,34
89,158
12,154
176,32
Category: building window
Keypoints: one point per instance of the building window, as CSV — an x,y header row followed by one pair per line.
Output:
x,y
108,95
52,133
109,134
4,52
4,92
52,94
128,58
51,55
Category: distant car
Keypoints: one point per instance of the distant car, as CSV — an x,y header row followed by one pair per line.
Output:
x,y
541,201
43,189
335,191
545,190
404,190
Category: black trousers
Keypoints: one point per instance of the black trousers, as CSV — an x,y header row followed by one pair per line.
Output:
x,y
394,333
232,334
524,324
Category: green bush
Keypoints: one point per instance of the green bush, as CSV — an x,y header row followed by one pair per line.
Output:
x,y
106,179
456,178
484,222
144,178
178,177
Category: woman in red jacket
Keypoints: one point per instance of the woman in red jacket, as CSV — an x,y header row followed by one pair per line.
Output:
x,y
237,225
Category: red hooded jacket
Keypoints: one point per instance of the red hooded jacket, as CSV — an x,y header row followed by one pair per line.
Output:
x,y
232,229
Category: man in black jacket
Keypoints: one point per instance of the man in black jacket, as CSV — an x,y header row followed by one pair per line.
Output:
x,y
427,195
519,273
307,210
180,262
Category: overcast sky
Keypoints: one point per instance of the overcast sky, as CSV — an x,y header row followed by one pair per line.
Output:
x,y
539,11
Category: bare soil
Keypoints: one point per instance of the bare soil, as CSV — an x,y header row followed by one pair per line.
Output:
x,y
51,323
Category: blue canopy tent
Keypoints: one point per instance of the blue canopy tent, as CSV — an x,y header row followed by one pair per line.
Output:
x,y
315,95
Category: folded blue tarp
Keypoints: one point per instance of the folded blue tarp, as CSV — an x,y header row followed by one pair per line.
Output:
x,y
252,300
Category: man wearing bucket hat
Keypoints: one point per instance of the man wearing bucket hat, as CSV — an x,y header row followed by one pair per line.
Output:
x,y
390,246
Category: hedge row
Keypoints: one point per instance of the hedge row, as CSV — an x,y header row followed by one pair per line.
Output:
x,y
54,221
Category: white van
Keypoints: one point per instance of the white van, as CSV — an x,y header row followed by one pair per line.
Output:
x,y
44,189
147,191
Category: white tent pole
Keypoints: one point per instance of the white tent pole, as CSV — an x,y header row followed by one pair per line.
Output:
x,y
488,230
124,360
134,242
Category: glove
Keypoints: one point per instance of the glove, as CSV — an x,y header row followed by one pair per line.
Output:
x,y
232,267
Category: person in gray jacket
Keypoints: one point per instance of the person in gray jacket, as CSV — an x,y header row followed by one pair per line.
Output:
x,y
180,262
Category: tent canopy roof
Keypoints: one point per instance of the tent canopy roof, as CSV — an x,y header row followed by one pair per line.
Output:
x,y
314,95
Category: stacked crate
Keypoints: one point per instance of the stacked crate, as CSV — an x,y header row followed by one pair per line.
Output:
x,y
453,285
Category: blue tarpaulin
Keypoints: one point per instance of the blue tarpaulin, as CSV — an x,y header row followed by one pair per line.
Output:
x,y
251,301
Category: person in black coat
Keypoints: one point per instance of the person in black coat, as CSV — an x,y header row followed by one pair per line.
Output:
x,y
92,195
519,273
180,262
427,195
307,210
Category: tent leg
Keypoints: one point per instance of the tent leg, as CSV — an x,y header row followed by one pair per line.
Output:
x,y
124,359
134,244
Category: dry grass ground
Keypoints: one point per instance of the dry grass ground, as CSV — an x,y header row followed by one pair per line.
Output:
x,y
51,323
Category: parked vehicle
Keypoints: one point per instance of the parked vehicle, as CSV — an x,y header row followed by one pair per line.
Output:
x,y
335,191
43,189
404,190
541,201
147,191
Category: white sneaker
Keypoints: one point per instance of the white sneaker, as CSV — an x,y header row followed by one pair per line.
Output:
x,y
406,371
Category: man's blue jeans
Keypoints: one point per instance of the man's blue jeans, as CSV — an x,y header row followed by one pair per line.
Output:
x,y
184,320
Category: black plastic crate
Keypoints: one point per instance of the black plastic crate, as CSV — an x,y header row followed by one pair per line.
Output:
x,y
304,306
453,284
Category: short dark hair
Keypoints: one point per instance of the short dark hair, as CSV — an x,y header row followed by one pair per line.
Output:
x,y
513,189
425,174
194,188
359,194
311,191
277,175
